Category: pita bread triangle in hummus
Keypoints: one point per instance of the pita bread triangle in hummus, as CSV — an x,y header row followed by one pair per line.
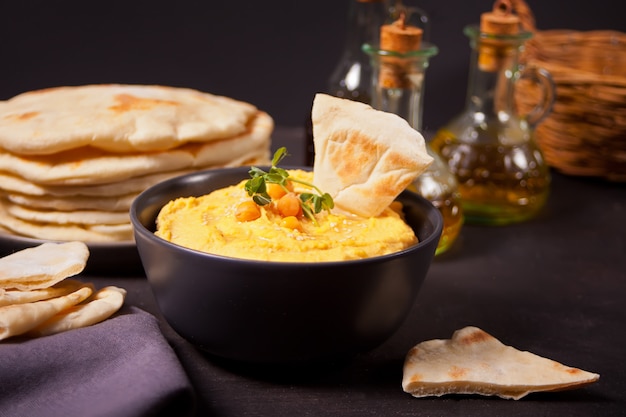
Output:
x,y
474,362
364,158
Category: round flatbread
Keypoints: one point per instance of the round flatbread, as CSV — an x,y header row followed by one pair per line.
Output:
x,y
132,186
77,217
117,118
102,233
89,166
73,203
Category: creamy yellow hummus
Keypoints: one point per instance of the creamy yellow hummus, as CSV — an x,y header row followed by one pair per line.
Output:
x,y
208,224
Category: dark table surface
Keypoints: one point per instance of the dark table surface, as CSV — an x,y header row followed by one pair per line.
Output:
x,y
555,286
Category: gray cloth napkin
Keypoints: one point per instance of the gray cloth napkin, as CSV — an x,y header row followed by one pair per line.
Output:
x,y
120,367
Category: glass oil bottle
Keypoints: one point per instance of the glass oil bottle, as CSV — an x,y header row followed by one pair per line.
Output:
x,y
399,67
351,76
489,147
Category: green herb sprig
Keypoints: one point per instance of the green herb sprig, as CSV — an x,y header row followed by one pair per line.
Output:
x,y
256,187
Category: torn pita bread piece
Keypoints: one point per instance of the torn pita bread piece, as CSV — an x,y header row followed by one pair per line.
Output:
x,y
97,308
9,297
364,158
37,299
474,362
18,319
42,266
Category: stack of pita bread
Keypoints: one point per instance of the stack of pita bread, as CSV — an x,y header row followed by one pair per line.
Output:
x,y
38,299
72,159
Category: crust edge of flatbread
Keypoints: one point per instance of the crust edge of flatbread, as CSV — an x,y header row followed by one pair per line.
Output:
x,y
474,388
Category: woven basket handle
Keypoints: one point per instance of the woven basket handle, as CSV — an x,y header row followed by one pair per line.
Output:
x,y
527,18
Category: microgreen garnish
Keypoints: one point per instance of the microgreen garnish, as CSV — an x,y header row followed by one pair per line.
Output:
x,y
256,187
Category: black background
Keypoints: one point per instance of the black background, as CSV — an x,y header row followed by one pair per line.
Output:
x,y
276,54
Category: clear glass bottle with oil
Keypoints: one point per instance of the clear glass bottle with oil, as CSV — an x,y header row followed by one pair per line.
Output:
x,y
489,147
397,87
351,76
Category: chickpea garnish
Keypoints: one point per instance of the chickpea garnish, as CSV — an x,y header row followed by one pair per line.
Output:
x,y
261,182
247,211
291,222
276,191
289,205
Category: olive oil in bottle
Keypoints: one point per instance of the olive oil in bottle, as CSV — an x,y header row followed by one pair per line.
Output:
x,y
399,69
499,183
489,147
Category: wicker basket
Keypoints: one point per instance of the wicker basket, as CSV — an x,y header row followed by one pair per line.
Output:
x,y
585,134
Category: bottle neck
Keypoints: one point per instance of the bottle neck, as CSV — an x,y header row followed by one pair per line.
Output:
x,y
492,76
397,82
363,26
398,87
352,74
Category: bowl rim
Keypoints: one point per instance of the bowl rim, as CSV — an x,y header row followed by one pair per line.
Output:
x,y
140,228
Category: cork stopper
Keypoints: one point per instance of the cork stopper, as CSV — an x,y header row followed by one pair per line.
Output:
x,y
500,21
401,38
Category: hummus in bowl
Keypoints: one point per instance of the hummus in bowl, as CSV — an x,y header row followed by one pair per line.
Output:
x,y
279,312
209,224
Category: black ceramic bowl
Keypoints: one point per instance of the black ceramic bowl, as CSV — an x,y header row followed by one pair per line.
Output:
x,y
273,312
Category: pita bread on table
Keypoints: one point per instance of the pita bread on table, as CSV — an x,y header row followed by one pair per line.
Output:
x,y
84,225
42,266
97,308
104,225
8,297
364,158
78,217
88,166
117,118
73,203
20,318
72,159
36,299
474,362
115,190
101,233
